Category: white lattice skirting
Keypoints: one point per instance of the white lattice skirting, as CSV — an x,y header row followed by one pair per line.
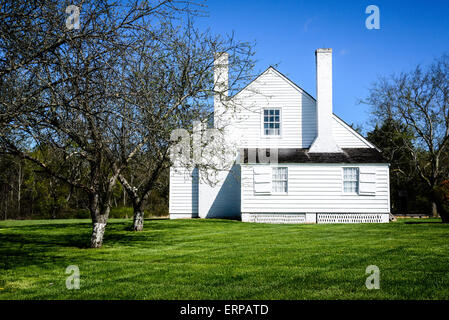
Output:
x,y
293,218
352,218
274,218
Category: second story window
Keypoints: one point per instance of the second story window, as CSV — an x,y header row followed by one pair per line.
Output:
x,y
272,122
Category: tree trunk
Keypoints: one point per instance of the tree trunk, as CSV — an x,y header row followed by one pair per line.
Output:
x,y
99,213
434,210
96,241
138,218
442,209
19,188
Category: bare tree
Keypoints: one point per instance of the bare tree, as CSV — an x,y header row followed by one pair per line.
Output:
x,y
65,96
171,85
420,101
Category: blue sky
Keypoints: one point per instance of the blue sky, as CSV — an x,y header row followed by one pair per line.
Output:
x,y
288,32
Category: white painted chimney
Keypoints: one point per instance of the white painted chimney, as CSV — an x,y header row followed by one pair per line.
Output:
x,y
221,86
324,142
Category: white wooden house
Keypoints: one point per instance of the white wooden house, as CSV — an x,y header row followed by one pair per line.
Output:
x,y
323,171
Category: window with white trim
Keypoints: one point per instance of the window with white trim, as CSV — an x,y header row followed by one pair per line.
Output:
x,y
272,122
350,180
279,181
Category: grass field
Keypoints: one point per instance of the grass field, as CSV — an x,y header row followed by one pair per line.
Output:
x,y
217,259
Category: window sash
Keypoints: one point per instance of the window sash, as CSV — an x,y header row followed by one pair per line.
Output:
x,y
350,180
272,122
279,181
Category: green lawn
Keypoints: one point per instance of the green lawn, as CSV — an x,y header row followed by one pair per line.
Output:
x,y
217,259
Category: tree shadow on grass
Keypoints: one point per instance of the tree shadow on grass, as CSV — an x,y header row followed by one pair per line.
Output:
x,y
57,242
22,250
54,243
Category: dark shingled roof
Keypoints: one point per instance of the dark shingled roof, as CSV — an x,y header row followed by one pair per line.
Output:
x,y
290,155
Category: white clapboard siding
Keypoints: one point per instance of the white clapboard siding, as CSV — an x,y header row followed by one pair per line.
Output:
x,y
298,116
346,137
183,192
298,112
317,188
312,188
221,198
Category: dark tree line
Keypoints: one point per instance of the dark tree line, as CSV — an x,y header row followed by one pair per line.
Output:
x,y
27,192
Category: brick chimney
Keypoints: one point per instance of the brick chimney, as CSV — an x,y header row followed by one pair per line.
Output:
x,y
324,142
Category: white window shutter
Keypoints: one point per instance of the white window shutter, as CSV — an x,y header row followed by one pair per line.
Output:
x,y
262,188
262,179
367,181
262,169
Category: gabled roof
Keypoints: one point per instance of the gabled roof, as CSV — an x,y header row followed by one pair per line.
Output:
x,y
301,90
355,133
